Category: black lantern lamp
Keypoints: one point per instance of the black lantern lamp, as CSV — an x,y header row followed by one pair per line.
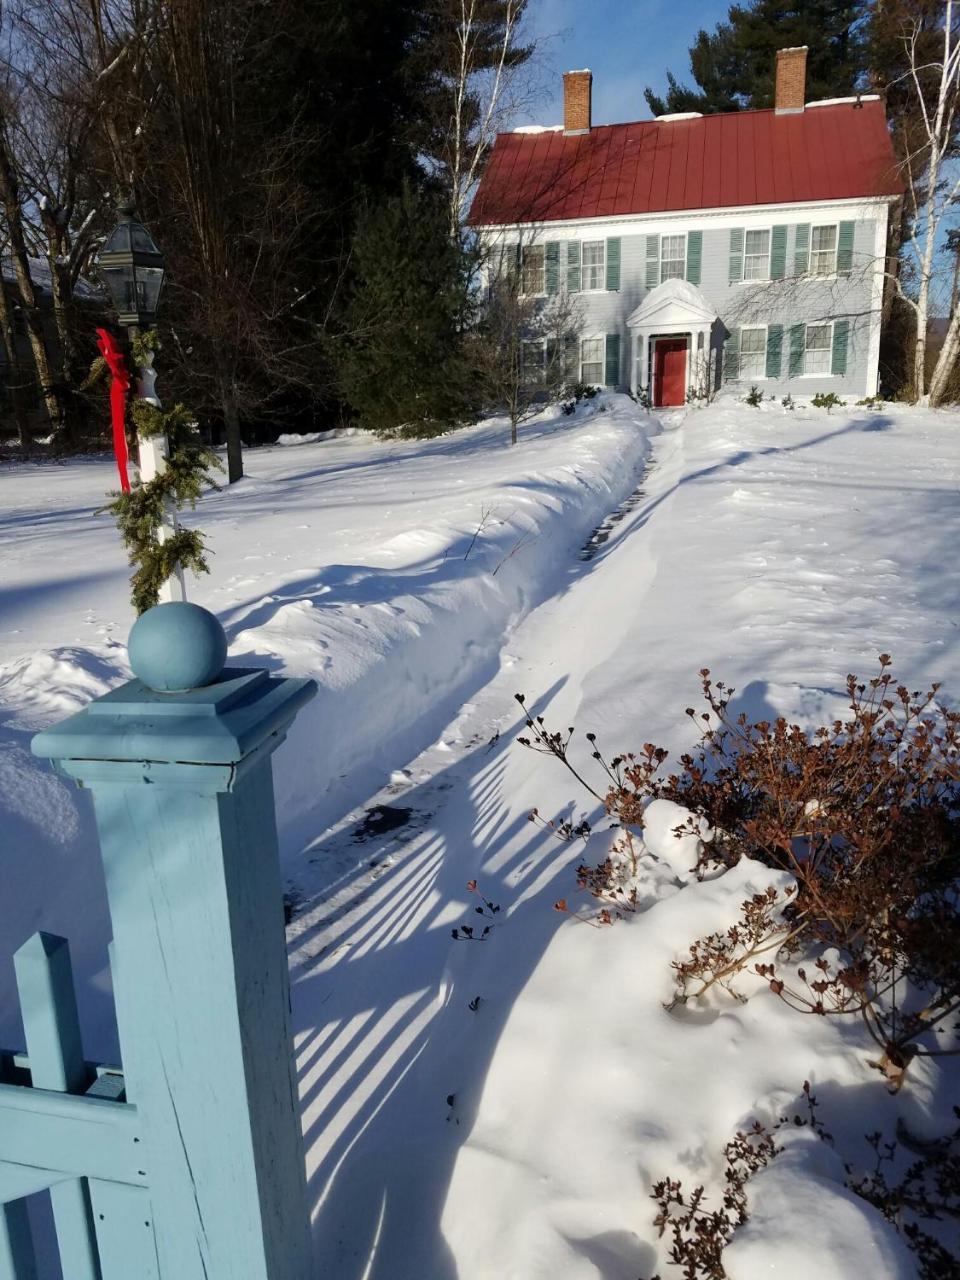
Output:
x,y
132,269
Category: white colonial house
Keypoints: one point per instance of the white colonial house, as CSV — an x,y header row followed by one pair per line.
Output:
x,y
744,248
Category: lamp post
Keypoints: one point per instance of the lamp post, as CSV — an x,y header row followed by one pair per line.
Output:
x,y
133,269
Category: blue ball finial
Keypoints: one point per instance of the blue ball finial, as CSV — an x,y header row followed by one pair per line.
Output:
x,y
177,646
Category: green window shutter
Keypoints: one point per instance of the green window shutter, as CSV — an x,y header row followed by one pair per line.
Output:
x,y
508,271
774,350
612,371
653,261
731,357
801,249
573,266
613,263
551,265
798,341
694,255
778,253
736,254
841,332
571,356
845,249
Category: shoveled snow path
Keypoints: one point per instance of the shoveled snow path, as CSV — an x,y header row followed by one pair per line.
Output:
x,y
390,572
500,1109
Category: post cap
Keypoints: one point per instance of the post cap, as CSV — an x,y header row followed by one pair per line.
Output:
x,y
183,709
177,646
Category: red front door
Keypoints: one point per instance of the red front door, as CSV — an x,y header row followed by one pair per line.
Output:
x,y
670,371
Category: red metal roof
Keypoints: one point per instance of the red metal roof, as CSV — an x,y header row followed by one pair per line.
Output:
x,y
719,161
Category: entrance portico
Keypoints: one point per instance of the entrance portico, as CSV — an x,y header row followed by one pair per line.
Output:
x,y
671,338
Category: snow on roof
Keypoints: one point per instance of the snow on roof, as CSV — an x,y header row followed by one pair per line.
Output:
x,y
836,102
681,115
537,128
85,290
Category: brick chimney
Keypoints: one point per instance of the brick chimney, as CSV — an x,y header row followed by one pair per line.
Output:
x,y
577,94
791,80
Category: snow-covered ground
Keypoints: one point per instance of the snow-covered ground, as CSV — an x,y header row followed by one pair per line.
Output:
x,y
500,1109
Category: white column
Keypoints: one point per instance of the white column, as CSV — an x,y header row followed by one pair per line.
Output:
x,y
643,380
153,452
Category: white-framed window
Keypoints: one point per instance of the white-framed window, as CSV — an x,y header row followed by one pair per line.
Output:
x,y
592,358
533,356
673,257
756,255
593,265
818,349
532,280
753,352
823,250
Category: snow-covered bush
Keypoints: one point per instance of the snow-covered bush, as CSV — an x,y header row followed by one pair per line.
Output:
x,y
862,815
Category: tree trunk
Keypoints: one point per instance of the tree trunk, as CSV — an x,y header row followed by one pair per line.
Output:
x,y
513,431
894,246
10,199
14,372
231,425
949,353
920,351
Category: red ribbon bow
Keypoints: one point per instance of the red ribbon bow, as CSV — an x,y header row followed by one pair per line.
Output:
x,y
119,386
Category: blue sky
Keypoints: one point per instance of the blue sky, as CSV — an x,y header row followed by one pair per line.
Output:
x,y
627,44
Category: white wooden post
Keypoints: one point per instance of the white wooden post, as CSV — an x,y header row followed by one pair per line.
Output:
x,y
153,460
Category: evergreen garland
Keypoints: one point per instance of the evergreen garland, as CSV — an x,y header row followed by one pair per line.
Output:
x,y
139,513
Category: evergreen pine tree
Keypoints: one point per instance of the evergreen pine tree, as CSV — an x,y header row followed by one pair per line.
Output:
x,y
399,358
734,67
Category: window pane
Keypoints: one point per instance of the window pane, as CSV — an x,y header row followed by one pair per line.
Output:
x,y
591,361
531,277
593,264
753,353
757,242
673,252
756,256
533,357
823,251
753,339
817,358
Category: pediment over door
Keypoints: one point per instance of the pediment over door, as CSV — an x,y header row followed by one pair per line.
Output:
x,y
673,305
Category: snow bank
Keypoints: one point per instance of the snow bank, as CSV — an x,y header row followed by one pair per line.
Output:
x,y
290,440
406,643
389,572
804,1222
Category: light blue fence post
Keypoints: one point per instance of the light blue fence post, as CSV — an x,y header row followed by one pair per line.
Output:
x,y
178,762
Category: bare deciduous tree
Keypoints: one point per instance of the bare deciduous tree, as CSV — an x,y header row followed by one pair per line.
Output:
x,y
524,348
932,191
473,59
